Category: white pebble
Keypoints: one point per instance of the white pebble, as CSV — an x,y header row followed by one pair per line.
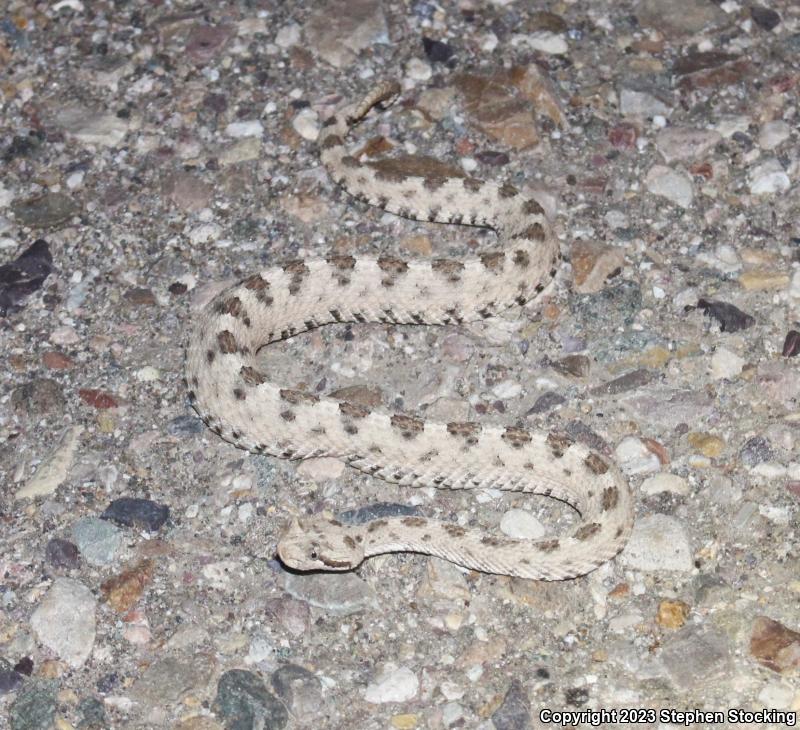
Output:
x,y
664,482
777,695
507,389
725,364
658,542
306,124
547,42
204,233
670,184
393,684
288,36
772,134
147,374
769,469
769,178
418,70
64,335
634,457
75,180
521,524
251,128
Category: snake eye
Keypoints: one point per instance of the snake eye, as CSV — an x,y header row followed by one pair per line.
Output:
x,y
313,554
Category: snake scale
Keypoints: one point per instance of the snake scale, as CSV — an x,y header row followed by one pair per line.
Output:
x,y
241,404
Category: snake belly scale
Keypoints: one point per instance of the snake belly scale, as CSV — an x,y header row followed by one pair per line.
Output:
x,y
241,404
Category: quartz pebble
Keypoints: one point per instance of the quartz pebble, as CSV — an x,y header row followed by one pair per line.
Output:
x,y
671,184
768,178
634,457
664,482
725,364
64,621
658,542
393,684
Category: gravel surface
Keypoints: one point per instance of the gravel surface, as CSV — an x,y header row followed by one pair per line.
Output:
x,y
152,152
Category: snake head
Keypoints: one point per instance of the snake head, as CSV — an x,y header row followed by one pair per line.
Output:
x,y
319,544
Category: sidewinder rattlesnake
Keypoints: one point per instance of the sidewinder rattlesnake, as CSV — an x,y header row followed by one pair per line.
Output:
x,y
241,404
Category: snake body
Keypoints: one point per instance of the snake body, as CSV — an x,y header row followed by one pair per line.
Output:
x,y
241,404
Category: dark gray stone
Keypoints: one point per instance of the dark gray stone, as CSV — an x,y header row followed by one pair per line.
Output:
x,y
243,702
514,713
137,512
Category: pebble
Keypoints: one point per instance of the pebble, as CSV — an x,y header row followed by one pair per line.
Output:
x,y
393,684
205,42
204,233
288,35
634,457
188,191
777,696
764,17
624,383
697,657
339,593
772,134
546,402
491,105
729,317
546,42
35,706
592,264
169,678
339,30
292,615
98,541
665,482
54,468
62,553
185,426
791,345
514,711
38,397
769,178
92,126
24,275
249,128
377,511
300,690
64,621
243,702
64,335
418,70
445,580
761,280
680,18
685,143
726,364
643,103
671,184
306,124
144,514
520,523
122,591
672,614
10,679
658,542
707,444
436,51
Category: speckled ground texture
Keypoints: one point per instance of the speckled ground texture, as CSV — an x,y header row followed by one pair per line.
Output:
x,y
160,150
